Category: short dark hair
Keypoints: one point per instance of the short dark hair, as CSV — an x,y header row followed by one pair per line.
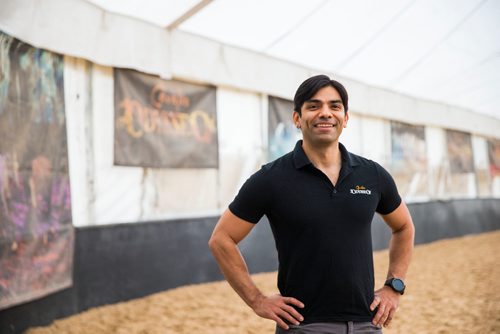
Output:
x,y
311,86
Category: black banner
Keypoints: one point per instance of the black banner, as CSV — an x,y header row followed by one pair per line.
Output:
x,y
36,232
160,123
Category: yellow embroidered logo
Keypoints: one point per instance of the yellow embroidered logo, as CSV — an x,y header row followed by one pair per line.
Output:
x,y
361,190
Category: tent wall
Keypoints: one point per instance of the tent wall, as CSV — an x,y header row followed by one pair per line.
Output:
x,y
107,194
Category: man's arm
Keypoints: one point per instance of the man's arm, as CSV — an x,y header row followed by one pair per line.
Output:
x,y
228,232
400,250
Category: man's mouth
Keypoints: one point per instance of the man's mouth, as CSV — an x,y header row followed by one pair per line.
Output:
x,y
324,125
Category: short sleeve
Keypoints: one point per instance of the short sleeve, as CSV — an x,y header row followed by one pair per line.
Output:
x,y
389,196
253,199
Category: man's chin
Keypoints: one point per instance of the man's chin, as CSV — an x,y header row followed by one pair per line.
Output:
x,y
323,141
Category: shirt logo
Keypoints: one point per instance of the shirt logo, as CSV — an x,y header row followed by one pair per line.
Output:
x,y
361,190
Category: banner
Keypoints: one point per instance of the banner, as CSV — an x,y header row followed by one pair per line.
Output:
x,y
160,123
460,177
459,152
409,159
282,132
408,148
494,156
36,232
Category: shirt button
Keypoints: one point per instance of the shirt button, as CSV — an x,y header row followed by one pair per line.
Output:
x,y
334,191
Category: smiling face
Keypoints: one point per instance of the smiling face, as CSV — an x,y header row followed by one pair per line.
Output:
x,y
323,117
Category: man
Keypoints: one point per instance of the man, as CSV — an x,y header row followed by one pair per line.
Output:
x,y
320,200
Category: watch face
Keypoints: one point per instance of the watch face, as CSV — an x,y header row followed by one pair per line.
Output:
x,y
398,284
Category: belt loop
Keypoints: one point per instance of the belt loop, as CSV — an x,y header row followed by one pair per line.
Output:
x,y
350,327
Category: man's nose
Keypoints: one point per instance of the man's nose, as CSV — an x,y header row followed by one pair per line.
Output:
x,y
325,112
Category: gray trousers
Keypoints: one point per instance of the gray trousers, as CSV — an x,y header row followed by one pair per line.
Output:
x,y
348,327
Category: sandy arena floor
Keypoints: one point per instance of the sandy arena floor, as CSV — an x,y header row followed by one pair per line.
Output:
x,y
453,287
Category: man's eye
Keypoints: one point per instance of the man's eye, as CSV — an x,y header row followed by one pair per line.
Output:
x,y
313,106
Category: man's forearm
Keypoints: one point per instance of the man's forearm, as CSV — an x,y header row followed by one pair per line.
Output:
x,y
400,251
224,246
235,270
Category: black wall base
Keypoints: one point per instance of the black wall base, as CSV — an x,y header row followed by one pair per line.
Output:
x,y
116,263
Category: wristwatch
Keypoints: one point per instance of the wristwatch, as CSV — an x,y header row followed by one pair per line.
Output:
x,y
396,284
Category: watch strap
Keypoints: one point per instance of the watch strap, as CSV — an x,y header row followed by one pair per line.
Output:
x,y
390,283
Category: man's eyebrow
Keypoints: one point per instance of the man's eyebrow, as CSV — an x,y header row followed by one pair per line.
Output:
x,y
319,101
335,101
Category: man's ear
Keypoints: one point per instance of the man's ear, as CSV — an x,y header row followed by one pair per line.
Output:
x,y
296,119
346,118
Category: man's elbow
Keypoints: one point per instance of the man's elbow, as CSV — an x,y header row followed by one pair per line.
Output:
x,y
407,229
212,242
410,226
216,242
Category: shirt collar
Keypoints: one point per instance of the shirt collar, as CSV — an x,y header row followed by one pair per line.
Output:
x,y
300,158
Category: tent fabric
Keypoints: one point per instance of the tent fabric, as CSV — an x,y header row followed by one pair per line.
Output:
x,y
445,51
81,29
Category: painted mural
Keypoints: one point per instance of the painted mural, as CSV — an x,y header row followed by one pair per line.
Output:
x,y
409,159
460,176
459,152
36,232
494,156
282,133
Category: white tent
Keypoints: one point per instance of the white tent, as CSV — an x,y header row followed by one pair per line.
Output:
x,y
446,51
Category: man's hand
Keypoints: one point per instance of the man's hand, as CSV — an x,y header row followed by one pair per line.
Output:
x,y
387,301
278,308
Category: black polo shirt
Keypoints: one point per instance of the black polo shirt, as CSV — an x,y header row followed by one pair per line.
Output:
x,y
322,232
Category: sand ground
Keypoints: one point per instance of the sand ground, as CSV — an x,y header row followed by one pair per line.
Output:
x,y
453,287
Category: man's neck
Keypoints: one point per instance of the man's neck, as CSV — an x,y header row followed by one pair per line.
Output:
x,y
327,156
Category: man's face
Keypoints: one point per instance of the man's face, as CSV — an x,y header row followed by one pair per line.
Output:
x,y
323,117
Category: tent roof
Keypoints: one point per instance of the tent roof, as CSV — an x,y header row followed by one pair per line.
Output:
x,y
446,51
